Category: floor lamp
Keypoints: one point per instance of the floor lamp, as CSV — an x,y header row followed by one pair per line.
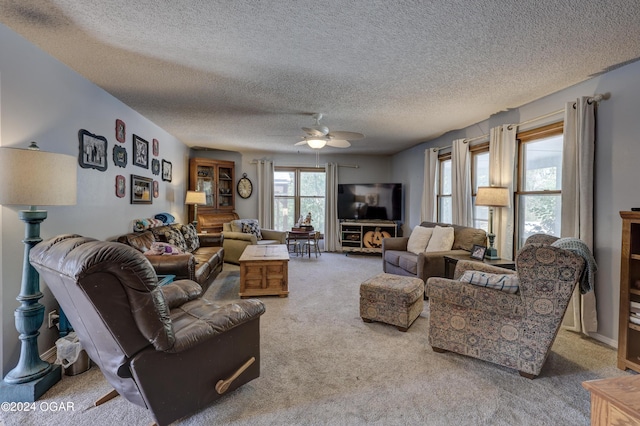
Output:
x,y
194,198
492,197
30,177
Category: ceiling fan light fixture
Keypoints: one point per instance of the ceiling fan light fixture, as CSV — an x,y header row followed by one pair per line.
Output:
x,y
316,143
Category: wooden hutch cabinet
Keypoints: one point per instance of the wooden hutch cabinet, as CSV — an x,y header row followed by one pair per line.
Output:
x,y
216,179
629,328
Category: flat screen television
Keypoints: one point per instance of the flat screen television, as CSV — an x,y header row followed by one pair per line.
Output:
x,y
370,201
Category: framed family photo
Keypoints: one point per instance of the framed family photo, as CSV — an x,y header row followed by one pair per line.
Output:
x,y
120,186
92,151
478,252
141,190
166,171
121,132
140,152
119,156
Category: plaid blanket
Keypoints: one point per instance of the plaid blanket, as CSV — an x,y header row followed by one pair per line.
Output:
x,y
581,249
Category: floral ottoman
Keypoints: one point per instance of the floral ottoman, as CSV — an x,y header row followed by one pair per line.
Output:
x,y
392,299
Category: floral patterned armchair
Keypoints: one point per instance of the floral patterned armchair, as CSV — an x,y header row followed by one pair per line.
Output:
x,y
512,330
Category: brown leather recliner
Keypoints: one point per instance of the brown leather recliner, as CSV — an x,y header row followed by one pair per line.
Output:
x,y
163,348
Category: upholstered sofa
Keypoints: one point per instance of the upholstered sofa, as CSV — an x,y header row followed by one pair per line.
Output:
x,y
235,240
397,260
515,330
201,262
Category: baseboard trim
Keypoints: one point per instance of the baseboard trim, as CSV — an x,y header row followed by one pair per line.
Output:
x,y
606,340
50,355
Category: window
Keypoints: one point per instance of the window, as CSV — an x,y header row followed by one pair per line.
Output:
x,y
445,213
539,188
480,177
298,191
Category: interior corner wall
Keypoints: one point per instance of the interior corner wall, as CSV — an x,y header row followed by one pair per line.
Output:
x,y
45,101
616,172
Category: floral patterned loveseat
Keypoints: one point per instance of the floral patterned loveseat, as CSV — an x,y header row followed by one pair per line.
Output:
x,y
512,330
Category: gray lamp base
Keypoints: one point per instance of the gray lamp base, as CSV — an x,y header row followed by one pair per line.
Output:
x,y
491,254
30,391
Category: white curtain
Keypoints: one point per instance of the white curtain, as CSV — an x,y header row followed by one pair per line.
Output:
x,y
429,210
265,193
461,195
577,200
332,226
502,169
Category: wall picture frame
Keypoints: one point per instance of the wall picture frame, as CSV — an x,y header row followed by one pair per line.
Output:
x,y
119,156
92,152
156,189
141,190
156,147
121,131
166,171
155,166
140,152
478,251
121,188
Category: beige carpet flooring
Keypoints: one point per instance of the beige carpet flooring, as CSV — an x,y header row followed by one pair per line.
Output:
x,y
322,365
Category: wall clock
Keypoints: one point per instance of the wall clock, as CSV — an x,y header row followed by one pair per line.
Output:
x,y
245,187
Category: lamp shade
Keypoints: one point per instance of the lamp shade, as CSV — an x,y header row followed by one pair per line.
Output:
x,y
492,196
195,197
31,177
316,143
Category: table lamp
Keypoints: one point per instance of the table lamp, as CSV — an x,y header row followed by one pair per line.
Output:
x,y
194,198
492,197
30,177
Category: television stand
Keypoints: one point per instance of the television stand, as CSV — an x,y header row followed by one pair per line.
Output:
x,y
365,236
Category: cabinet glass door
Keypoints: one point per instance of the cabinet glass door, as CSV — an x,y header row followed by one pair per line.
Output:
x,y
225,187
205,183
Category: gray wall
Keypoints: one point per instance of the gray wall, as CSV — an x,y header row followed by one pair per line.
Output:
x,y
370,169
44,101
616,171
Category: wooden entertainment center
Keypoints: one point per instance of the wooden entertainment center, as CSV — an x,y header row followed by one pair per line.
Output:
x,y
365,236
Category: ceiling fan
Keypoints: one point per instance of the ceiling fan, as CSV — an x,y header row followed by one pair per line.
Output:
x,y
318,136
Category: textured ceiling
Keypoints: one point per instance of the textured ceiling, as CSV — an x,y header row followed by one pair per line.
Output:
x,y
246,75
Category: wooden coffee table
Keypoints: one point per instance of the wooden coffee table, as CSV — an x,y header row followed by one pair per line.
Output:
x,y
264,271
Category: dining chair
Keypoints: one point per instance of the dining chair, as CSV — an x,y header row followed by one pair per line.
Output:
x,y
312,242
293,243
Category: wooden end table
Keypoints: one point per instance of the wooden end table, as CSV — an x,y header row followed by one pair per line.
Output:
x,y
264,271
450,262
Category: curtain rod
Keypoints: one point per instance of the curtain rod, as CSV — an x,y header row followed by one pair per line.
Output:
x,y
595,98
352,166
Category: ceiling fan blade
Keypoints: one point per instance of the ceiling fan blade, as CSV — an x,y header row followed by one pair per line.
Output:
x,y
352,136
338,143
316,131
304,142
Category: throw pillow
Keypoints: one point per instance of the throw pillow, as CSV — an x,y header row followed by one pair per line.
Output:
x,y
174,237
158,248
441,239
166,218
190,235
505,282
236,225
251,227
419,239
